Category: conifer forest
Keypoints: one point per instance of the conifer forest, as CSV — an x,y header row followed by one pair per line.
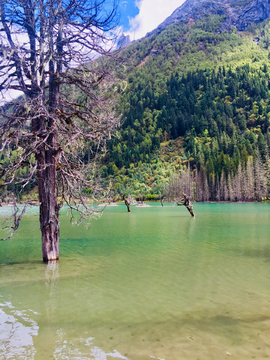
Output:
x,y
193,105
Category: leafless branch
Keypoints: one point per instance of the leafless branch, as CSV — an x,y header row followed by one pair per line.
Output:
x,y
53,52
16,217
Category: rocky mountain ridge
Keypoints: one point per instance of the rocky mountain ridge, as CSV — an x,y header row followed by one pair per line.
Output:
x,y
239,14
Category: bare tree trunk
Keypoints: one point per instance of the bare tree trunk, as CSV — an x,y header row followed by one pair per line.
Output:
x,y
49,209
47,174
126,203
249,181
161,198
212,186
259,183
230,188
186,203
226,190
199,186
238,183
205,188
218,190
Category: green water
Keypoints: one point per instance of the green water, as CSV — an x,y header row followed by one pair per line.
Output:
x,y
150,284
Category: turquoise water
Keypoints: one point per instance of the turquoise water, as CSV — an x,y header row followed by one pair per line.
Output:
x,y
151,284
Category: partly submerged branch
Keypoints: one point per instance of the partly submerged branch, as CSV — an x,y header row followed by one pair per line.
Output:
x,y
16,217
186,202
126,203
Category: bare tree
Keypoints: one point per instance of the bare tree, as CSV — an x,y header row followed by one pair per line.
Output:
x,y
260,178
186,181
230,188
161,197
199,187
205,188
267,173
222,186
249,181
173,189
238,180
127,203
46,52
186,202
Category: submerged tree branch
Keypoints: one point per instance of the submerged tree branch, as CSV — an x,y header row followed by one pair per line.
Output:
x,y
53,52
16,217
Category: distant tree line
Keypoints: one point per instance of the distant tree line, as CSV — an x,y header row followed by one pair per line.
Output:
x,y
250,183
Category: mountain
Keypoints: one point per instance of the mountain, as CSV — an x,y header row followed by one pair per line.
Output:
x,y
195,97
123,41
239,14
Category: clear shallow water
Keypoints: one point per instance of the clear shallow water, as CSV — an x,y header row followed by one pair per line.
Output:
x,y
154,283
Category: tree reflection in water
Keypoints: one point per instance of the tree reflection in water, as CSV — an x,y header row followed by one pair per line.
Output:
x,y
16,333
22,338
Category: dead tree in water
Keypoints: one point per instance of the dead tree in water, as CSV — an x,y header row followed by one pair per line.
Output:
x,y
161,198
46,53
126,203
186,202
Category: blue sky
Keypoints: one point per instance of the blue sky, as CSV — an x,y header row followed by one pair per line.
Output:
x,y
137,18
141,16
127,9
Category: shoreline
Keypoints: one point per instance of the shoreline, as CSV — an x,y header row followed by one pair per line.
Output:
x,y
145,204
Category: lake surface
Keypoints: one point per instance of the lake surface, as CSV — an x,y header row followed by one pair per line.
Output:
x,y
151,284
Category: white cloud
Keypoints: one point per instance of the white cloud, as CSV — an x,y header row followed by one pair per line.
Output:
x,y
151,14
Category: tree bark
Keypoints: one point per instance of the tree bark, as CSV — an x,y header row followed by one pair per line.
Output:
x,y
62,37
186,203
126,203
47,190
47,173
49,208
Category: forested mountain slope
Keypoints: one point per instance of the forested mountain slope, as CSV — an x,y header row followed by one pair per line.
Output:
x,y
194,102
191,95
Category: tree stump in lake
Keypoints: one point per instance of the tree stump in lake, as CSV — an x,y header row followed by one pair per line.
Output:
x,y
186,202
126,203
161,198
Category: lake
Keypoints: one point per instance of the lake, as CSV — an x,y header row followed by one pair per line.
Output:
x,y
151,284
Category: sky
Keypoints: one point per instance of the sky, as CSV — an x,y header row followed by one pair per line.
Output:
x,y
138,17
